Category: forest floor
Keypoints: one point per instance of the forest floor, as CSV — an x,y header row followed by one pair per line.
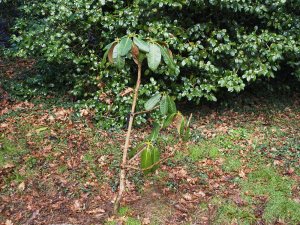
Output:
x,y
241,166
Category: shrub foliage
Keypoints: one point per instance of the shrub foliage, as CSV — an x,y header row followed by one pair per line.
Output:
x,y
216,44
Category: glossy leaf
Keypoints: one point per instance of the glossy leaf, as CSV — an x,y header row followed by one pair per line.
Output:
x,y
155,132
118,60
146,160
152,102
164,105
125,46
110,52
171,105
155,158
142,45
167,57
136,149
154,57
168,121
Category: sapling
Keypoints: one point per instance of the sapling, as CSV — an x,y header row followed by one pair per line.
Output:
x,y
139,50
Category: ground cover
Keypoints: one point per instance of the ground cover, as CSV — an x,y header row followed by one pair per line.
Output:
x,y
241,166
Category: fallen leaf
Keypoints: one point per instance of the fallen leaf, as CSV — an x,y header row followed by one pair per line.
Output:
x,y
21,186
146,221
97,210
242,174
8,222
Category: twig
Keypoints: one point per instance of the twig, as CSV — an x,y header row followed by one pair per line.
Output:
x,y
146,111
127,141
137,154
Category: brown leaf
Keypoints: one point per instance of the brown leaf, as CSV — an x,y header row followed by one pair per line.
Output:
x,y
96,211
126,91
135,53
242,174
110,53
8,166
8,222
146,221
21,186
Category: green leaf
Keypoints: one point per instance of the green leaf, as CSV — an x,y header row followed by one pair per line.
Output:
x,y
169,120
107,47
154,134
187,134
182,126
125,46
154,57
136,149
167,57
164,105
152,102
155,158
118,60
146,160
142,45
141,57
171,105
41,129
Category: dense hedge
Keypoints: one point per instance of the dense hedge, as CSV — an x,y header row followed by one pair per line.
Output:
x,y
217,44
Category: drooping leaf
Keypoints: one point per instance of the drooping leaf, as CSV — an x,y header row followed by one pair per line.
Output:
x,y
142,45
154,57
179,119
110,52
146,160
125,46
152,102
187,134
107,47
135,53
136,149
154,134
155,158
105,57
182,126
168,121
163,105
118,60
166,56
142,56
171,105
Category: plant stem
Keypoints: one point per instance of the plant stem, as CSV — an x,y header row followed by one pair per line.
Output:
x,y
127,141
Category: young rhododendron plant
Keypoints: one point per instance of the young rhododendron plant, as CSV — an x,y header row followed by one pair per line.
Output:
x,y
139,49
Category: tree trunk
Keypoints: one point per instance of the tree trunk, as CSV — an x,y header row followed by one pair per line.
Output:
x,y
127,141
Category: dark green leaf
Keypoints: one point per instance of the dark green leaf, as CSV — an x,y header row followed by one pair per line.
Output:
x,y
171,105
152,102
142,45
167,57
154,134
154,57
169,120
164,105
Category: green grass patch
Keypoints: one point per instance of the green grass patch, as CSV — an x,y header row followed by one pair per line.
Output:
x,y
277,190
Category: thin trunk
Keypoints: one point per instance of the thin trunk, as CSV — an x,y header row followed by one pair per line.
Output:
x,y
127,141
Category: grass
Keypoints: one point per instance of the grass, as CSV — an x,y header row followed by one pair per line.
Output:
x,y
249,152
